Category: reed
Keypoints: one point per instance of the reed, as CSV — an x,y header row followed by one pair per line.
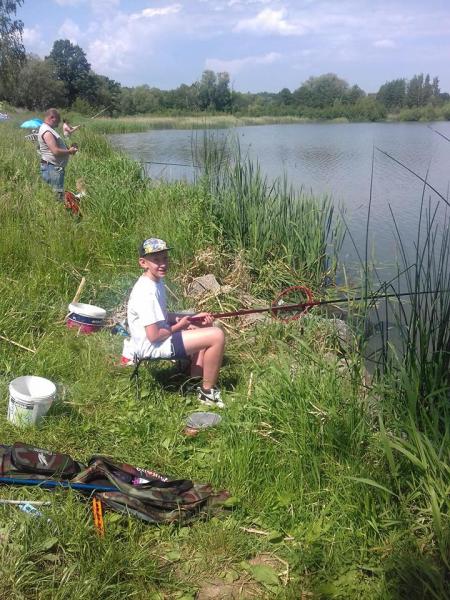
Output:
x,y
141,123
411,380
268,220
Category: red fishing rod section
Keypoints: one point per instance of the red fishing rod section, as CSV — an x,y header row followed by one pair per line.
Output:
x,y
278,305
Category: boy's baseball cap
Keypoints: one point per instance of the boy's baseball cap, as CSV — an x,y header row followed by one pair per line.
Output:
x,y
152,246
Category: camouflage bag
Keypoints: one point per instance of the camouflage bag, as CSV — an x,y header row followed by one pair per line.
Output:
x,y
147,494
21,460
140,492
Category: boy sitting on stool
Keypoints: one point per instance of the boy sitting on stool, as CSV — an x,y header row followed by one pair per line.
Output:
x,y
155,333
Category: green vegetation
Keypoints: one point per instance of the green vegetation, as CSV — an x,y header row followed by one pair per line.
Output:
x,y
268,220
340,490
199,121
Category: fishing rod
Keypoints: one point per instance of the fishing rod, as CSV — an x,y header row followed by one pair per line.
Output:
x,y
301,308
51,483
153,162
424,181
439,133
102,111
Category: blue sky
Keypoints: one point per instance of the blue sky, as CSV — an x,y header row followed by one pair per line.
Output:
x,y
265,45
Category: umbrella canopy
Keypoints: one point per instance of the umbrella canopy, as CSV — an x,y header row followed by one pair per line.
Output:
x,y
32,124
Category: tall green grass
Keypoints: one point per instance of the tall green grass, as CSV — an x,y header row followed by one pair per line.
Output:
x,y
268,220
411,384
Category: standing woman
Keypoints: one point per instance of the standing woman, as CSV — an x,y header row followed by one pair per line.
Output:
x,y
68,129
54,152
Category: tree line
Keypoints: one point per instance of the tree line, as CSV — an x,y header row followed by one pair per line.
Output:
x,y
65,79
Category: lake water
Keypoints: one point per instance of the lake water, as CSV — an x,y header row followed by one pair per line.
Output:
x,y
333,159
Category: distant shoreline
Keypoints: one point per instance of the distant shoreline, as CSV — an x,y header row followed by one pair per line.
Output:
x,y
135,124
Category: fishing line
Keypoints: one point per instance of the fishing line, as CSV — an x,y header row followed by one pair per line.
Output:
x,y
439,133
154,162
416,175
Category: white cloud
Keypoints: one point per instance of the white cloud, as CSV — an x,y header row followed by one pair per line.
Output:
x,y
69,2
384,44
149,13
127,41
270,21
123,41
238,64
161,12
33,41
103,8
69,30
110,56
246,2
31,36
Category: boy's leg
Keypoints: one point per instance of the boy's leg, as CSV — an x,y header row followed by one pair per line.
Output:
x,y
210,340
197,361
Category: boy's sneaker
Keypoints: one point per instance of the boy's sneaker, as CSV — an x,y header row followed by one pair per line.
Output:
x,y
126,362
210,397
190,386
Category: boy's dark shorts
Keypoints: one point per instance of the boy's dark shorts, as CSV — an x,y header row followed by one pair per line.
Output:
x,y
178,349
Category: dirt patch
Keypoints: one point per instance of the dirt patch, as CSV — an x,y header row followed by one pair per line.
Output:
x,y
244,586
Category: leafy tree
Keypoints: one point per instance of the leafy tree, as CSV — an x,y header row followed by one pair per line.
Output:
x,y
12,51
100,91
145,99
222,96
369,108
71,67
126,103
427,90
322,91
240,101
207,89
285,97
393,94
83,107
184,97
37,87
353,95
415,91
435,87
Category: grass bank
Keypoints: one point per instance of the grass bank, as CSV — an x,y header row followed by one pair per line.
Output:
x,y
333,499
136,124
205,121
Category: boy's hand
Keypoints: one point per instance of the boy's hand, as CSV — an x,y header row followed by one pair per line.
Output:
x,y
202,319
182,322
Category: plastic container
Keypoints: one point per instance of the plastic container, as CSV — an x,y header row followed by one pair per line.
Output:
x,y
30,397
202,420
86,317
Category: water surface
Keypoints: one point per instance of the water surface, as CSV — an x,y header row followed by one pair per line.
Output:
x,y
332,159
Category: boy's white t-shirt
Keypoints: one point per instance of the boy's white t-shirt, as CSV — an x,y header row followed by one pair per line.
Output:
x,y
146,306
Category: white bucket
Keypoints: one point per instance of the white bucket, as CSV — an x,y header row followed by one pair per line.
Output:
x,y
87,310
30,397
